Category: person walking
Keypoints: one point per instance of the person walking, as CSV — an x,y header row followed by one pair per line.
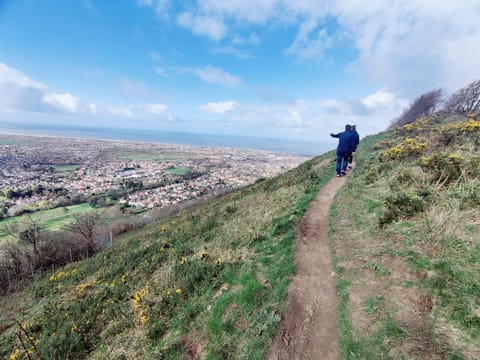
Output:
x,y
344,149
356,141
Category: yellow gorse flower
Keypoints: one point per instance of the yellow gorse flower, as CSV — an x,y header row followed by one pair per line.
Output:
x,y
62,274
15,355
139,304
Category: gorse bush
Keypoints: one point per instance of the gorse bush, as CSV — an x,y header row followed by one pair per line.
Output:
x,y
460,132
402,204
407,148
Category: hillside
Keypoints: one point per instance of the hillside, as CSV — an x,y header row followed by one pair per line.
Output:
x,y
208,283
211,282
406,240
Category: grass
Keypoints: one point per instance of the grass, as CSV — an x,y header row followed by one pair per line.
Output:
x,y
178,171
52,219
12,141
208,283
66,168
140,157
408,284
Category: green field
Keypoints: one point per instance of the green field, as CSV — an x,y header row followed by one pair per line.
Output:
x,y
53,219
178,171
140,157
66,168
19,141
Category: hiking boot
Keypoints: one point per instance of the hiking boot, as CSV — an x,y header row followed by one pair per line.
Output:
x,y
338,175
344,173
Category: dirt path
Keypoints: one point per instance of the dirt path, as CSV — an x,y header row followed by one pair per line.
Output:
x,y
309,329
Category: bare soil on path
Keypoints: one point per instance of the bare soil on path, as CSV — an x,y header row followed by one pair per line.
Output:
x,y
309,329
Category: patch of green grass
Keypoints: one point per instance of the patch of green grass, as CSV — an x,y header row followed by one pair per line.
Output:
x,y
372,304
140,157
52,219
66,168
13,141
377,267
178,171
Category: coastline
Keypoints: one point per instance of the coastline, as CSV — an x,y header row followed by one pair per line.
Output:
x,y
297,147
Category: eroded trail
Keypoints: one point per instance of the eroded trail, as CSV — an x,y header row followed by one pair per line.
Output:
x,y
309,329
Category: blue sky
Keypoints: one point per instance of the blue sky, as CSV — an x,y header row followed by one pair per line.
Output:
x,y
296,69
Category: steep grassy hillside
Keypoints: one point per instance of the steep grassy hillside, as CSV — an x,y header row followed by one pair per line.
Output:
x,y
208,283
406,240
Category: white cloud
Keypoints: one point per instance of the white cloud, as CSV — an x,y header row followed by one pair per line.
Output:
x,y
122,111
92,109
141,112
404,44
215,75
19,92
16,78
156,109
219,107
310,47
315,120
383,98
203,25
63,102
409,45
252,11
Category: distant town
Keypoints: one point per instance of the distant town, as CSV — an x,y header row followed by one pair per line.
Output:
x,y
39,173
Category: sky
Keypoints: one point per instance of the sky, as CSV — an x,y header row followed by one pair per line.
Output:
x,y
286,69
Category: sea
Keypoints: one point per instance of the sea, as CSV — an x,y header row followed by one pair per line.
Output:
x,y
299,147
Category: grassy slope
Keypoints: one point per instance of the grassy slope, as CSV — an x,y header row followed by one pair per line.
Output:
x,y
208,283
50,219
407,251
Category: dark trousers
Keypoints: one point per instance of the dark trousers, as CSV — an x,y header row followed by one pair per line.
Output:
x,y
342,161
350,158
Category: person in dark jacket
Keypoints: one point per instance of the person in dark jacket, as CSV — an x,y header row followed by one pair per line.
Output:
x,y
356,141
344,149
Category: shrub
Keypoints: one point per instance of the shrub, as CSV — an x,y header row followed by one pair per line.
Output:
x,y
445,167
402,204
371,174
407,148
459,132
